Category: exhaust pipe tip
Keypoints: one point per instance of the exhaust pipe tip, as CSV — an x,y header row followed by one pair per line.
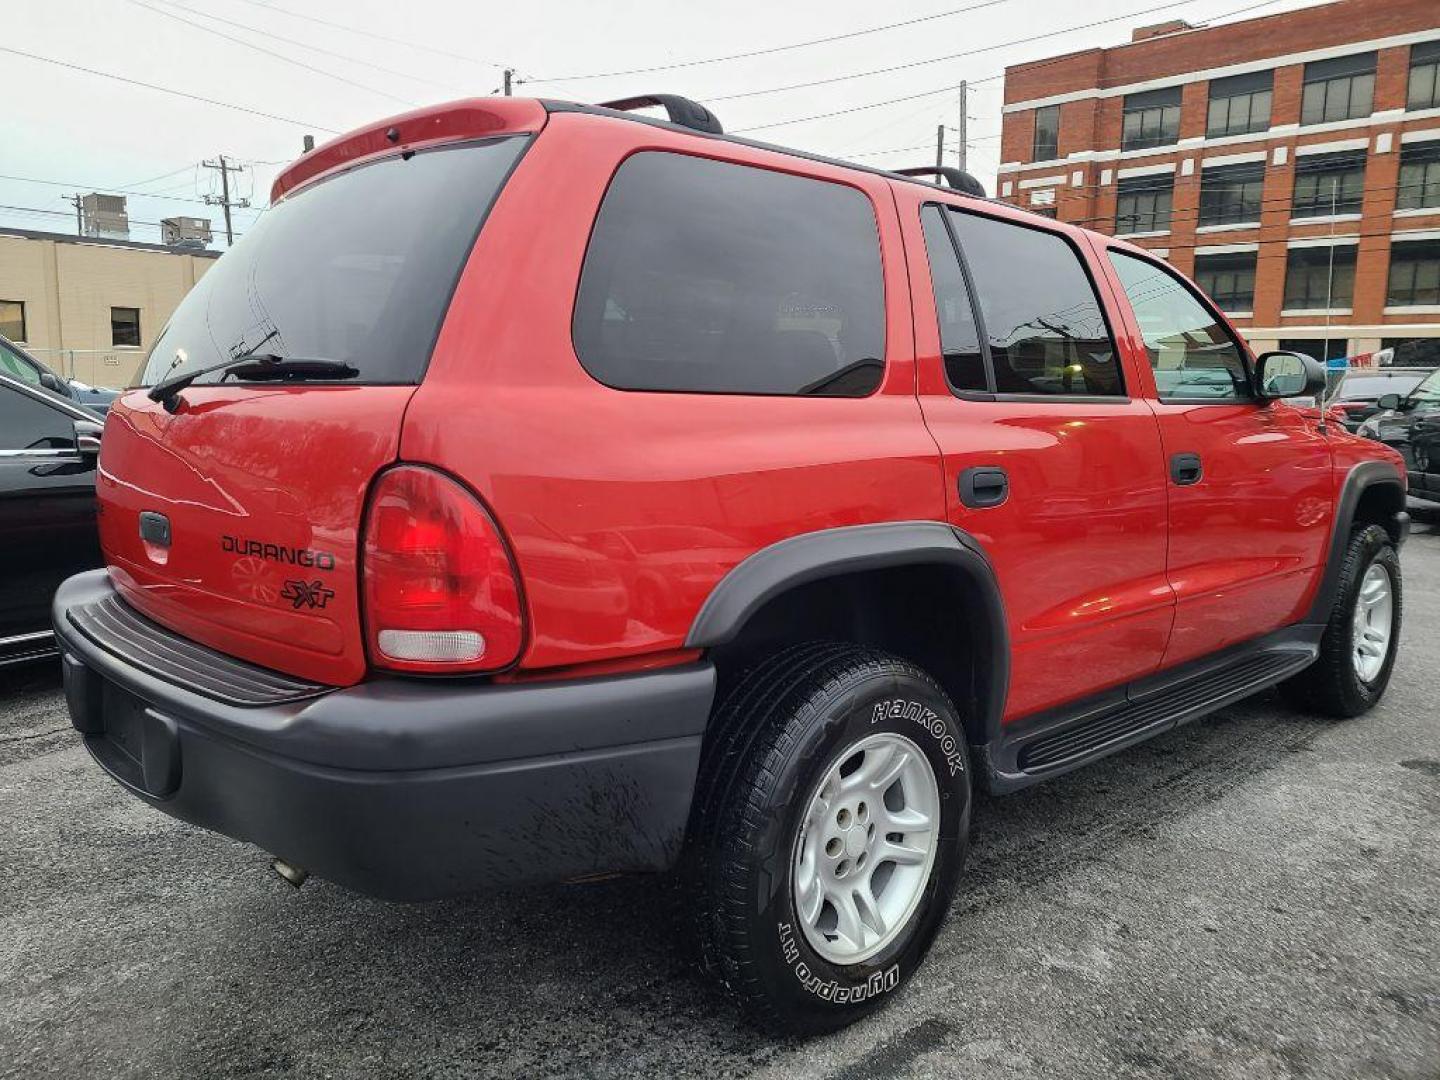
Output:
x,y
295,875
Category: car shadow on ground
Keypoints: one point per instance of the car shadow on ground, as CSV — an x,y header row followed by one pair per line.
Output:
x,y
522,981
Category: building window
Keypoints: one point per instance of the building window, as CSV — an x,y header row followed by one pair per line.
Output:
x,y
125,327
1143,204
1414,274
1044,211
1320,278
1240,104
1047,134
1321,349
1424,76
1230,194
1419,177
1339,89
1413,352
1151,119
1228,279
1327,184
12,320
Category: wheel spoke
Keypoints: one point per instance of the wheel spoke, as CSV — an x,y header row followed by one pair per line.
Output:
x,y
907,820
810,898
903,854
848,924
869,910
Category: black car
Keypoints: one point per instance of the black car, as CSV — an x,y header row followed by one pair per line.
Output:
x,y
1411,424
48,451
1358,394
19,364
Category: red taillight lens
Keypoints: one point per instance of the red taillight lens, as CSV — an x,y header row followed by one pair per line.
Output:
x,y
441,594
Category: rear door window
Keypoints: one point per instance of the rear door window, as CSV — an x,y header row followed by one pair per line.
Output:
x,y
358,268
1044,328
710,277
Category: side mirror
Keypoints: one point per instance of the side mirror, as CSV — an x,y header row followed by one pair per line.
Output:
x,y
54,384
1388,402
87,437
1288,374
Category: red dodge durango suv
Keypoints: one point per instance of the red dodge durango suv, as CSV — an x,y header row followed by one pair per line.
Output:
x,y
543,490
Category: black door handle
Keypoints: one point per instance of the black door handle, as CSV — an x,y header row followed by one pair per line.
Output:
x,y
1186,469
983,486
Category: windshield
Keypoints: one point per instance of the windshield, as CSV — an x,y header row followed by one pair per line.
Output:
x,y
1372,386
1428,392
359,268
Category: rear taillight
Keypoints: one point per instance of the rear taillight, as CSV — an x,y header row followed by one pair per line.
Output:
x,y
441,594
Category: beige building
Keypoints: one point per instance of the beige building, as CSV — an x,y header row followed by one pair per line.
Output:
x,y
91,308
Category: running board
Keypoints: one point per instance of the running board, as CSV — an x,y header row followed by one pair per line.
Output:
x,y
1056,742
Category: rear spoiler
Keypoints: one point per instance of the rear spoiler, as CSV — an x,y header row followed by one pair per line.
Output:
x,y
476,118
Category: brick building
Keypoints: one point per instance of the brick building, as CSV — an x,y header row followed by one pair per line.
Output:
x,y
1290,164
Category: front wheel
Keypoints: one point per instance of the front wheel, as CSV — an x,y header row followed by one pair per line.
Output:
x,y
831,826
1357,651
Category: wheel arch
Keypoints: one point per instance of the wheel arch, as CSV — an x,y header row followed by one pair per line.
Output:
x,y
1373,494
923,590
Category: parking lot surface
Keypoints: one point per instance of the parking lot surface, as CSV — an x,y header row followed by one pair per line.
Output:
x,y
1254,895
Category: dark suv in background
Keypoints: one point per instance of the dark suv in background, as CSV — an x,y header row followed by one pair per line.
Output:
x,y
1410,423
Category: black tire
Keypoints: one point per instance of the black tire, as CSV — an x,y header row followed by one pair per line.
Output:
x,y
775,736
1331,686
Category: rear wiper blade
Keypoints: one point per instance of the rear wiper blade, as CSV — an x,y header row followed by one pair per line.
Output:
x,y
254,367
271,367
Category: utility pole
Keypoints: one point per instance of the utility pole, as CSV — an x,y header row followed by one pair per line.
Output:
x,y
940,147
225,167
74,200
509,76
964,109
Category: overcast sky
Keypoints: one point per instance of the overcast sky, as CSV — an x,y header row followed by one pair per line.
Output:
x,y
376,57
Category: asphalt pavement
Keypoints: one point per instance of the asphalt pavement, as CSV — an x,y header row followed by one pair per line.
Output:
x,y
1255,895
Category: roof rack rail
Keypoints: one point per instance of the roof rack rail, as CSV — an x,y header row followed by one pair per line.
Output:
x,y
958,179
680,110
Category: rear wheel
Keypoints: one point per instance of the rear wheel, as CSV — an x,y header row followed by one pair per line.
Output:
x,y
1357,651
831,825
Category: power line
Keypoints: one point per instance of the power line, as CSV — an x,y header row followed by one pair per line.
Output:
x,y
271,53
162,176
67,213
770,51
311,48
953,87
949,56
104,188
166,90
369,34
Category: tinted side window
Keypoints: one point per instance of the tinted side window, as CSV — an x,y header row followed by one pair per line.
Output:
x,y
1043,321
959,337
719,278
1192,354
27,424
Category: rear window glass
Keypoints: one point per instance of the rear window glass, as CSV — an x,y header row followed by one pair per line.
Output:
x,y
709,277
358,268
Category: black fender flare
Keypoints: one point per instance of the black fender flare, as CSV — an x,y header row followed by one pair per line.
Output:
x,y
1360,479
825,553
